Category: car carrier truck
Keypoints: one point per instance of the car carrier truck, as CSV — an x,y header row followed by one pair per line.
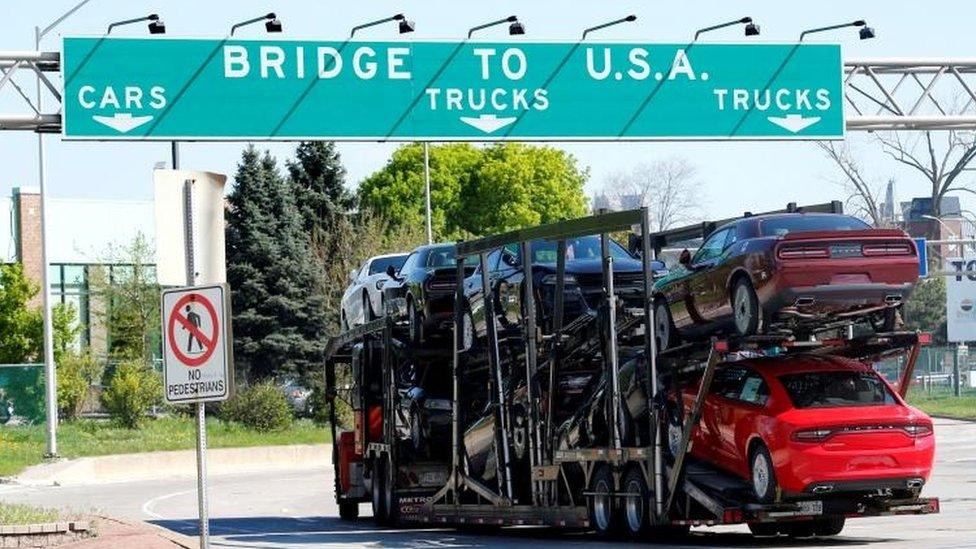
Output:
x,y
489,433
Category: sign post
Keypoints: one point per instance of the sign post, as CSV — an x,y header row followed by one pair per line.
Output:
x,y
232,89
197,352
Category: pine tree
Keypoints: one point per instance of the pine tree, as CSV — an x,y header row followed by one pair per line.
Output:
x,y
318,178
279,317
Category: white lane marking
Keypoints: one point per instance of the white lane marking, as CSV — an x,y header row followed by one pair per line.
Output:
x,y
147,507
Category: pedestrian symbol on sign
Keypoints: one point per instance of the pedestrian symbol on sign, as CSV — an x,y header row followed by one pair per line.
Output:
x,y
194,319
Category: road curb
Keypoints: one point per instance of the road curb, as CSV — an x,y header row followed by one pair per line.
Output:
x,y
181,463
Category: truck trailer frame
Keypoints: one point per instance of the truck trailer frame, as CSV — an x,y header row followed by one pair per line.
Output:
x,y
679,492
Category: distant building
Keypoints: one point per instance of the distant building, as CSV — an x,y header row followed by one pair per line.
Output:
x,y
79,233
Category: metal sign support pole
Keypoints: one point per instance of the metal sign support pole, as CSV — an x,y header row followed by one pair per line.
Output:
x,y
430,230
191,277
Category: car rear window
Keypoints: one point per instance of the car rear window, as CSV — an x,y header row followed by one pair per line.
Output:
x,y
779,226
380,265
833,389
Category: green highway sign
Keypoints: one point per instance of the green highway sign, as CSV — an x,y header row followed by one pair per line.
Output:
x,y
214,89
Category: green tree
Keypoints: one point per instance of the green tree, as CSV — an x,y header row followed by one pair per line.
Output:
x,y
21,327
319,178
926,309
64,319
396,192
131,295
132,392
477,191
279,316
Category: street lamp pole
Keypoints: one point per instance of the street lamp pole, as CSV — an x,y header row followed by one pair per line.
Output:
x,y
50,370
629,19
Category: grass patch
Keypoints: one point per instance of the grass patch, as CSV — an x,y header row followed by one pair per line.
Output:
x,y
962,407
23,446
14,513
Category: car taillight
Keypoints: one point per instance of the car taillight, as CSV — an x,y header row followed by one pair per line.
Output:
x,y
874,250
918,430
811,435
803,253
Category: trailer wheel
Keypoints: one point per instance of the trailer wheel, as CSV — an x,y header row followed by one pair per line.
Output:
x,y
604,517
391,497
764,528
636,516
348,510
378,491
828,526
415,322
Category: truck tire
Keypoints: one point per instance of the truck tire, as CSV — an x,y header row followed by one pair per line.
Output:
x,y
348,510
604,516
391,497
764,528
378,491
635,513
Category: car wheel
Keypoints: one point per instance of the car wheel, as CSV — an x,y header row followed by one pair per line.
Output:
x,y
520,434
762,475
417,438
674,432
348,510
764,528
602,511
664,329
467,331
367,309
799,529
745,307
378,491
636,517
415,322
828,526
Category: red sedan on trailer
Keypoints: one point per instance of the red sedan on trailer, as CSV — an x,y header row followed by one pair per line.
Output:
x,y
806,426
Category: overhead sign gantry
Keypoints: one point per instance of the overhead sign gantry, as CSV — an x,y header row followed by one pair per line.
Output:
x,y
144,89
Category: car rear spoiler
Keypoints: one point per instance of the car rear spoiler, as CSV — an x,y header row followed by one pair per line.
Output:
x,y
847,235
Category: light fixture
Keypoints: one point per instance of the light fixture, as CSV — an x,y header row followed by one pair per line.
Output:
x,y
272,24
629,19
156,25
864,33
752,29
404,26
515,27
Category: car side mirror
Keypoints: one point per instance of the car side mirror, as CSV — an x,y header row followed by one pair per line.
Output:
x,y
391,271
352,276
685,258
510,260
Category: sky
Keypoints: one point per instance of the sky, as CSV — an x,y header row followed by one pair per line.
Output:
x,y
732,176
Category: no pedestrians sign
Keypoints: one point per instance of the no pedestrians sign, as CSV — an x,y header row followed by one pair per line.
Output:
x,y
197,362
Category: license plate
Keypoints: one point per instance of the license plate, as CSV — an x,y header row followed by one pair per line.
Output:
x,y
845,250
811,507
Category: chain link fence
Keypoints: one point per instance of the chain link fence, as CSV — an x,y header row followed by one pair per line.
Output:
x,y
22,393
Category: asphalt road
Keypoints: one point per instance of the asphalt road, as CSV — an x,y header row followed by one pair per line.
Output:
x,y
295,509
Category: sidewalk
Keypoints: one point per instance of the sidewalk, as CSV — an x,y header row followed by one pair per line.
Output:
x,y
182,463
116,534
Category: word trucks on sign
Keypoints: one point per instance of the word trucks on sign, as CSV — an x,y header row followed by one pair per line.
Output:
x,y
197,350
133,88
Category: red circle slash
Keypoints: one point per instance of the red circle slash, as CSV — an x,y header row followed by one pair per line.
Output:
x,y
209,343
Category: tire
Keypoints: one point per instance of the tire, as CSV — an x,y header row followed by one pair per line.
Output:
x,y
764,528
636,517
800,529
415,322
674,432
828,526
604,518
664,330
348,511
391,496
380,516
672,532
745,307
467,330
520,434
417,438
762,475
367,309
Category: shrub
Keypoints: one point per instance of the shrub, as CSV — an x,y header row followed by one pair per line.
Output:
x,y
262,407
132,392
